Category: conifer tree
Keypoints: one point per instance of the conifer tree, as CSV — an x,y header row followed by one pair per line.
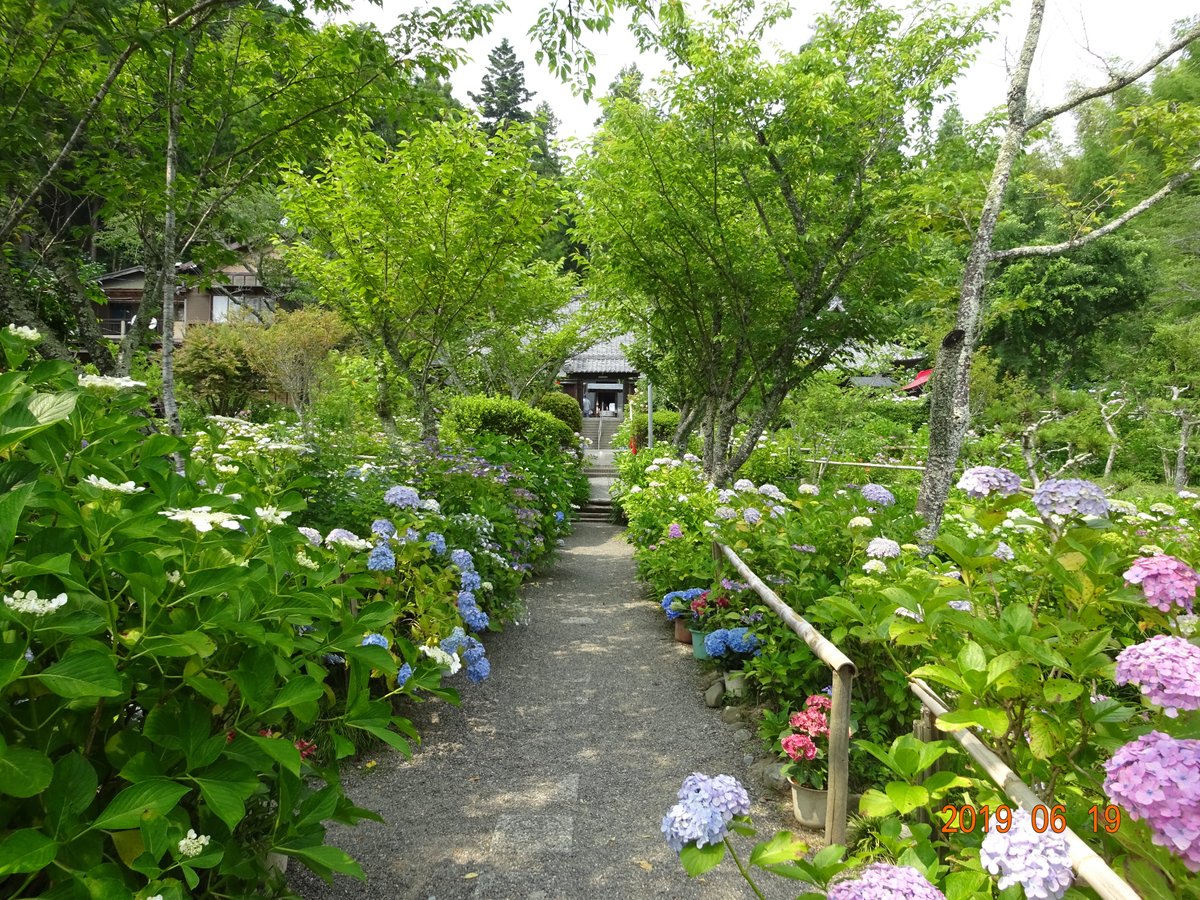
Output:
x,y
503,95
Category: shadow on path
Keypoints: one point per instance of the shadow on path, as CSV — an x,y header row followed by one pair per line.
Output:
x,y
552,779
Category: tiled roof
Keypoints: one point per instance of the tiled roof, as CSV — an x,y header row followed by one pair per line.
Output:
x,y
607,357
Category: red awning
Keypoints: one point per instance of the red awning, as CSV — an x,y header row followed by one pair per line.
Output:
x,y
919,381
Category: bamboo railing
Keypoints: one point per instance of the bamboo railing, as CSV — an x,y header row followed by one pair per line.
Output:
x,y
843,682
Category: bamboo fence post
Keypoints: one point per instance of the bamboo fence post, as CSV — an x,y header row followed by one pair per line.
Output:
x,y
844,671
1084,860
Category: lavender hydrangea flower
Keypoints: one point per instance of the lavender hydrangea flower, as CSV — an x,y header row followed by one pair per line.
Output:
x,y
728,513
1004,552
883,548
883,881
1166,668
403,675
675,530
381,559
314,536
980,481
1070,496
402,496
346,538
383,527
751,515
1040,863
436,542
774,493
804,548
726,495
1154,778
706,807
1165,580
743,484
877,494
722,792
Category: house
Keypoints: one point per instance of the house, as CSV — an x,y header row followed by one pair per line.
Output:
x,y
602,375
200,297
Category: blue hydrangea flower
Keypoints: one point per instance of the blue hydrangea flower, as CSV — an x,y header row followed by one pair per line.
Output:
x,y
383,527
705,808
470,581
466,600
437,542
672,614
722,792
740,640
559,515
462,559
333,659
375,640
877,494
476,619
458,638
473,651
402,496
381,559
479,670
714,643
403,675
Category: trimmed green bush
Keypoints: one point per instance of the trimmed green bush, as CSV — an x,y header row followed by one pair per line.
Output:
x,y
476,415
563,407
665,423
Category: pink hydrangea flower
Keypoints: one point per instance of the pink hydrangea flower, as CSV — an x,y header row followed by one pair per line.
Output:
x,y
1154,778
1165,580
811,722
799,746
1166,668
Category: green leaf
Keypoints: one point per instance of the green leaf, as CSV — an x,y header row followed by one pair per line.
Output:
x,y
698,860
941,675
1062,690
125,811
11,505
324,859
906,797
26,850
297,691
1046,736
283,752
71,791
24,772
994,720
971,658
88,673
876,804
783,847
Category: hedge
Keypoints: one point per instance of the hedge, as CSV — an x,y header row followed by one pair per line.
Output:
x,y
470,416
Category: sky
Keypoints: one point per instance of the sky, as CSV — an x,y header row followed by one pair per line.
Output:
x,y
1076,37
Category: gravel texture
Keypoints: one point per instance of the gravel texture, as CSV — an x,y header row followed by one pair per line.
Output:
x,y
552,778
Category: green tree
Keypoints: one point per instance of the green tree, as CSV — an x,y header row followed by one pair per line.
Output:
x,y
503,94
424,247
291,354
755,218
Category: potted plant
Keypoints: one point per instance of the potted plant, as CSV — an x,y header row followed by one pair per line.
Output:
x,y
678,607
730,648
705,611
804,746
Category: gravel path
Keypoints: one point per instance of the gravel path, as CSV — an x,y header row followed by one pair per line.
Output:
x,y
552,779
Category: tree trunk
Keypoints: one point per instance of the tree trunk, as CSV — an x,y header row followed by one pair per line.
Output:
x,y
177,78
152,288
950,403
1185,438
689,416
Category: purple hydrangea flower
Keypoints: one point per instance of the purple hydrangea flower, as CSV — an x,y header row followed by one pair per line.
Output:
x,y
1070,496
1040,863
980,481
1165,581
804,548
1154,778
877,494
383,527
1166,668
675,530
314,536
402,496
883,548
883,881
381,559
751,515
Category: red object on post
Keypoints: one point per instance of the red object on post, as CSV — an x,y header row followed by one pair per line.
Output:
x,y
633,448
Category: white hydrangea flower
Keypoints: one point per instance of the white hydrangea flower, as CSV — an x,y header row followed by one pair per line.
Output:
x,y
874,567
917,616
1164,509
653,467
1186,624
303,560
271,515
226,469
1188,495
29,602
859,522
662,461
175,577
431,505
193,844
743,484
447,662
125,487
25,333
811,489
109,382
202,518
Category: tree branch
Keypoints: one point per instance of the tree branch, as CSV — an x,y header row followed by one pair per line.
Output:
x,y
1134,211
1038,116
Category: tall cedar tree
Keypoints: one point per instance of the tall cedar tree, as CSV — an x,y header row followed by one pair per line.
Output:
x,y
504,93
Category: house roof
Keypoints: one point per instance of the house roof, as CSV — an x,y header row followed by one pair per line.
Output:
x,y
606,357
871,381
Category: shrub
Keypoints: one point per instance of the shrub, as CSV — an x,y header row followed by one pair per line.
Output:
x,y
214,365
665,423
563,407
468,417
